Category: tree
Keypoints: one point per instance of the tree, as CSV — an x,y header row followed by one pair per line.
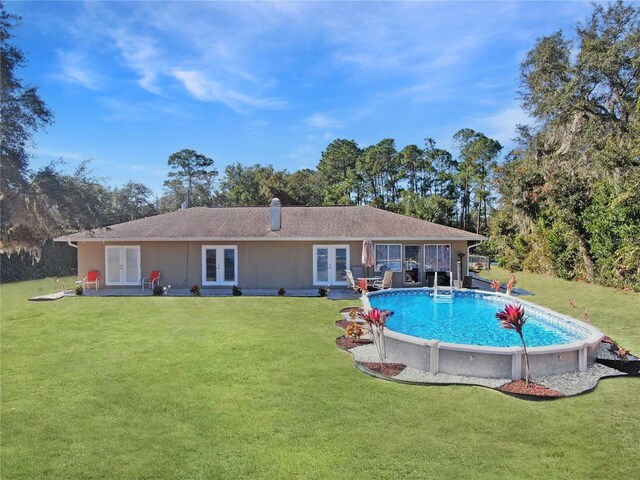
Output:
x,y
22,113
132,201
337,167
195,169
477,160
571,184
378,167
306,187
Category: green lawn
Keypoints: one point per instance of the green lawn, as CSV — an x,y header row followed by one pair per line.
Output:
x,y
239,387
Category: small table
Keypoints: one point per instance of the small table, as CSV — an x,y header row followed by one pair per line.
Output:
x,y
370,280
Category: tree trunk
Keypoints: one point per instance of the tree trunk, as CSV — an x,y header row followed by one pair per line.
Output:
x,y
586,258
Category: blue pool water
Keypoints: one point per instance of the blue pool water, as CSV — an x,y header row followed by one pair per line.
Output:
x,y
467,320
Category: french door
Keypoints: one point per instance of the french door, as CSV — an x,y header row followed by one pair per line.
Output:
x,y
329,264
219,265
412,265
122,265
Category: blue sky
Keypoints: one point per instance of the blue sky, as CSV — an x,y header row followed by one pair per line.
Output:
x,y
272,83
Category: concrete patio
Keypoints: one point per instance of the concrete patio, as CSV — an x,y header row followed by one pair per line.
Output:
x,y
335,293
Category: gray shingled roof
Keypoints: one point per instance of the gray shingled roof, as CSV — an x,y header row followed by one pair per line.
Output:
x,y
254,223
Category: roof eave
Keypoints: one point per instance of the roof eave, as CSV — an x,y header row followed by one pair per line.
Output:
x,y
65,239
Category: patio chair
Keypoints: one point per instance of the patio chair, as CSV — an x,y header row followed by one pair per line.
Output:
x,y
351,282
92,278
152,279
385,282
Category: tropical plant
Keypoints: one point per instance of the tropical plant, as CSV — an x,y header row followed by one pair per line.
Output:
x,y
353,330
363,286
78,290
236,291
512,318
195,290
375,321
496,285
323,291
281,291
511,284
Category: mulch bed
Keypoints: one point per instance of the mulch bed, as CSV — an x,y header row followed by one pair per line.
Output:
x,y
386,369
347,342
342,324
630,367
534,390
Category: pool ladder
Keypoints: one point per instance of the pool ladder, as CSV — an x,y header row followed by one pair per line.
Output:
x,y
443,294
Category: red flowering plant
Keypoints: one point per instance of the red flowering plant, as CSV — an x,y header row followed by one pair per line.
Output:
x,y
375,321
363,285
495,285
512,318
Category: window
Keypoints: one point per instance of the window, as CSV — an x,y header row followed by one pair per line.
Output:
x,y
389,257
437,258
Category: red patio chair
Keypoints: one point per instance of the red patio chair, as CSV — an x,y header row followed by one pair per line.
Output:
x,y
151,279
92,277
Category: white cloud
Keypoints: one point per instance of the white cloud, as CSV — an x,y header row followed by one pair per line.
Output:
x,y
322,121
140,53
74,70
210,90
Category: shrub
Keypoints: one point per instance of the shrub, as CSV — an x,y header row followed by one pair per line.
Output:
x,y
236,291
323,291
353,330
195,290
158,290
78,290
281,292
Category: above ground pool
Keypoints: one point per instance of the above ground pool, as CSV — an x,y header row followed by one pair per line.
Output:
x,y
459,334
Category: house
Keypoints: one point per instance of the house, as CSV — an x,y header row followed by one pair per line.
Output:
x,y
270,247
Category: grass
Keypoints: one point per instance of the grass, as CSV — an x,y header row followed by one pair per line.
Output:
x,y
240,387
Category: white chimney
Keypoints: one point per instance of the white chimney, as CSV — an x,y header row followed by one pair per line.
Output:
x,y
276,215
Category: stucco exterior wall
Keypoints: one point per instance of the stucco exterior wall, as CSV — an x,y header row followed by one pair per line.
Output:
x,y
261,264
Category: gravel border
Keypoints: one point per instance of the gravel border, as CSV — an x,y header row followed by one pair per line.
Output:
x,y
569,384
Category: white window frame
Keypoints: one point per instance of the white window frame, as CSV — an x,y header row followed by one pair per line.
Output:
x,y
219,264
123,273
332,264
424,257
387,260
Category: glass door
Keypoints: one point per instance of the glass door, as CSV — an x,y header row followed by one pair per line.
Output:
x,y
330,263
412,265
122,265
340,265
219,265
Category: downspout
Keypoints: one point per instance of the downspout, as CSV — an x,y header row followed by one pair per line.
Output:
x,y
71,244
469,252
